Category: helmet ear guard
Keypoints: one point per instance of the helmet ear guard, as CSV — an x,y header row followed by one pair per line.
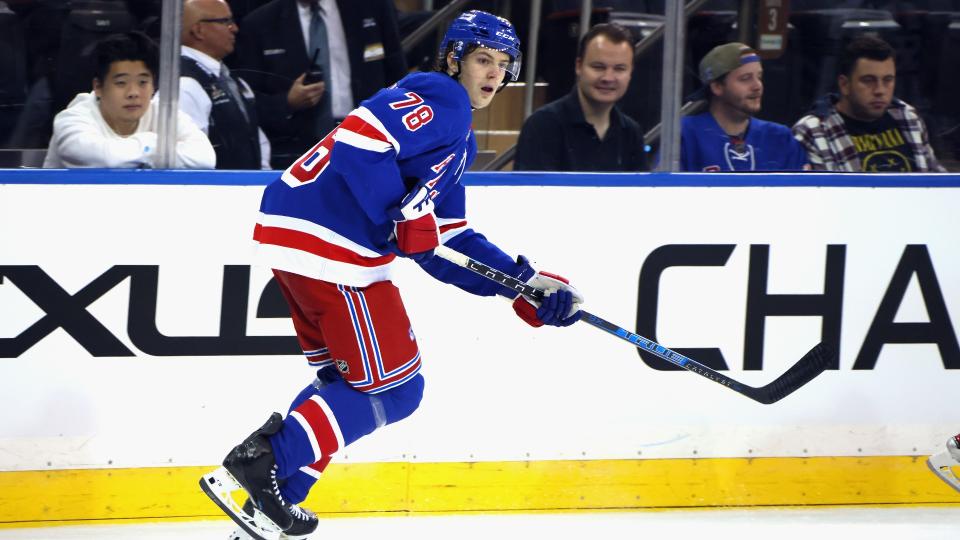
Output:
x,y
484,30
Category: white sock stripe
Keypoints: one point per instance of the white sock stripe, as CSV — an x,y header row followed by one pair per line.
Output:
x,y
317,454
311,471
332,419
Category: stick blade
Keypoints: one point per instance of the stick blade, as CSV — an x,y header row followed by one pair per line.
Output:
x,y
817,359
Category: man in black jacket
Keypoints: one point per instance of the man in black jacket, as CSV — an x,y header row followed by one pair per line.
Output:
x,y
310,62
584,130
221,104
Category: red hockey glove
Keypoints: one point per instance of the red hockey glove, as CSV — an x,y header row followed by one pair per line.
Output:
x,y
415,227
560,305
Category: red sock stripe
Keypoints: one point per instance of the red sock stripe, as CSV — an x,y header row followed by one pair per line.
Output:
x,y
320,465
320,424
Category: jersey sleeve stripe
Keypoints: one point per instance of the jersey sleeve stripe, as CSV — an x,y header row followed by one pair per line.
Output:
x,y
364,130
450,228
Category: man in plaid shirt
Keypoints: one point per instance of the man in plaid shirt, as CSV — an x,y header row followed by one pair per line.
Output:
x,y
866,129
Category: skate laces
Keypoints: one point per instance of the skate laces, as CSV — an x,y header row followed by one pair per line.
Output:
x,y
276,487
299,513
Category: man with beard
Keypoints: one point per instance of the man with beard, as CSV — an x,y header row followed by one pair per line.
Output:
x,y
728,137
866,129
584,130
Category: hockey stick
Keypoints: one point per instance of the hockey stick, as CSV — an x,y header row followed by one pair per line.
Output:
x,y
805,370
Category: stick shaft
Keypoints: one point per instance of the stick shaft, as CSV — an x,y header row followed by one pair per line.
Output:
x,y
808,367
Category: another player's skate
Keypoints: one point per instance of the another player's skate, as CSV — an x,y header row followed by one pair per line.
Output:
x,y
304,524
946,464
252,467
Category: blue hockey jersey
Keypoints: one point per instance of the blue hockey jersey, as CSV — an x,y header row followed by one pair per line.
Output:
x,y
768,146
327,218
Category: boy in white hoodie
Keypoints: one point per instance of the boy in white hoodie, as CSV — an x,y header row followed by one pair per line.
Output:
x,y
115,125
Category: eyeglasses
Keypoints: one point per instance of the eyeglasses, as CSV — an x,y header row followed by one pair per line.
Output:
x,y
226,21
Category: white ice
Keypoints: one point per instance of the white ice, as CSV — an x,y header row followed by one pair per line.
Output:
x,y
875,523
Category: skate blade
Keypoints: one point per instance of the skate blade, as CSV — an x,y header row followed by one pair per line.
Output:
x,y
942,465
218,485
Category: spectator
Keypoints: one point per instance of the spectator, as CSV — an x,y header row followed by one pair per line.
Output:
x,y
584,130
352,49
728,137
220,104
865,128
115,124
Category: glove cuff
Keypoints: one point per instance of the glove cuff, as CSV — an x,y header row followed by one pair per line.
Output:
x,y
527,311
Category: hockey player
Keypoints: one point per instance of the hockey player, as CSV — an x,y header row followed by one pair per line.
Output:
x,y
385,183
946,463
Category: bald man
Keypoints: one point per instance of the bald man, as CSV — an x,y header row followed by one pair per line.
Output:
x,y
221,104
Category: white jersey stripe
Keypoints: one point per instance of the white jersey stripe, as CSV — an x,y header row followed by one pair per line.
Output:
x,y
360,141
364,114
314,229
317,267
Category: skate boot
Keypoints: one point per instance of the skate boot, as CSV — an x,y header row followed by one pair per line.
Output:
x,y
946,464
252,467
304,523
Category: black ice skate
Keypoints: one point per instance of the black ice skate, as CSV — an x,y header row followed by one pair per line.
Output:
x,y
252,467
304,523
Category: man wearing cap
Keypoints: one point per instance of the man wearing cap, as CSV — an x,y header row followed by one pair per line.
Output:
x,y
728,137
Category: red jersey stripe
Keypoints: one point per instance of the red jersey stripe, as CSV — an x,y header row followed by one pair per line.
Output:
x,y
311,244
451,226
362,127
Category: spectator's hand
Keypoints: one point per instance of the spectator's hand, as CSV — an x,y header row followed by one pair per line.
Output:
x,y
303,96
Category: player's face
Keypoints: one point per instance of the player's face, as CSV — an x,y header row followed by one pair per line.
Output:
x,y
603,73
869,89
124,94
742,89
483,71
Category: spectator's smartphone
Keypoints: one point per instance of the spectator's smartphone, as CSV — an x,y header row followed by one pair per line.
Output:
x,y
315,73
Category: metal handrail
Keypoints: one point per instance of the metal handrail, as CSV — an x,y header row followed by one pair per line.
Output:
x,y
168,87
500,161
657,34
690,107
438,18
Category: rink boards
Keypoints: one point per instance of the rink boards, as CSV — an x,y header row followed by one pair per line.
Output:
x,y
137,344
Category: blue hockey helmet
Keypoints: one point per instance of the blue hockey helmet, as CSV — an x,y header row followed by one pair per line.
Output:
x,y
486,30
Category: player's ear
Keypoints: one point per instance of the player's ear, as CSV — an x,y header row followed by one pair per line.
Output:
x,y
452,67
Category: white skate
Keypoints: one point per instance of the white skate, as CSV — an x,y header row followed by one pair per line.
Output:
x,y
946,464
